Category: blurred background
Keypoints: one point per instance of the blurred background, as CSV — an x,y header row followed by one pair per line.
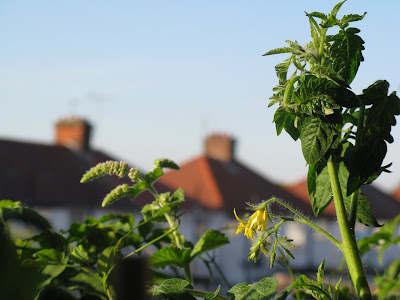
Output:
x,y
155,77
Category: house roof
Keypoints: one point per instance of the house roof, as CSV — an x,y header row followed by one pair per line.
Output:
x,y
49,175
220,185
396,194
382,205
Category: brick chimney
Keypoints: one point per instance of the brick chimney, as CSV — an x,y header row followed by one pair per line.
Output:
x,y
74,133
220,146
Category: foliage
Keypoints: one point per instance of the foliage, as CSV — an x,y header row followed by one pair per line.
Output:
x,y
343,136
387,284
344,140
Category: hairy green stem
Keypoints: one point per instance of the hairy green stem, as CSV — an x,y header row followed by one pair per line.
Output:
x,y
304,220
349,244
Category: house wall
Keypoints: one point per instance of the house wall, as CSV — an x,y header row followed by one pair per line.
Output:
x,y
311,247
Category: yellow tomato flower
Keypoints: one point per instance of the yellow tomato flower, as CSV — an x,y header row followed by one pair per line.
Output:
x,y
257,222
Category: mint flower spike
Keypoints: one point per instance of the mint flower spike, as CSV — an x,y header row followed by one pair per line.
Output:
x,y
134,175
166,163
106,168
116,194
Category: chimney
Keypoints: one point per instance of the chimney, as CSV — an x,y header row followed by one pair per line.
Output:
x,y
220,146
74,133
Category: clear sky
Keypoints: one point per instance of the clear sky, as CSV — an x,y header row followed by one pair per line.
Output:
x,y
155,77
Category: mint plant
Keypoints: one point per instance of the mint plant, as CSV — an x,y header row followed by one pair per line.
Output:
x,y
343,135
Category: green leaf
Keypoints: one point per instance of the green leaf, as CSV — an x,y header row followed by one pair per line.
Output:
x,y
88,283
344,97
364,213
285,293
264,289
285,120
80,254
336,8
337,290
45,272
170,256
9,203
320,273
272,254
375,93
311,288
210,240
50,239
154,212
106,260
127,218
178,196
152,176
50,272
346,50
24,214
175,288
51,255
388,243
287,251
351,18
369,242
206,295
282,69
137,189
316,137
164,163
380,118
319,188
317,15
279,51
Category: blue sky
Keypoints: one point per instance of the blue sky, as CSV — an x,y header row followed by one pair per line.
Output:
x,y
155,77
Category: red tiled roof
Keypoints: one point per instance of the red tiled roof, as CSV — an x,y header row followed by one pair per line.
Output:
x,y
217,185
49,175
382,205
396,194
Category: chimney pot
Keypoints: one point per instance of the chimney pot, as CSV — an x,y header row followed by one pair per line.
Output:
x,y
74,133
220,146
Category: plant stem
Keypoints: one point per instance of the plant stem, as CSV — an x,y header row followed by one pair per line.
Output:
x,y
290,270
188,274
170,221
288,90
353,209
220,272
304,220
354,196
349,244
175,233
